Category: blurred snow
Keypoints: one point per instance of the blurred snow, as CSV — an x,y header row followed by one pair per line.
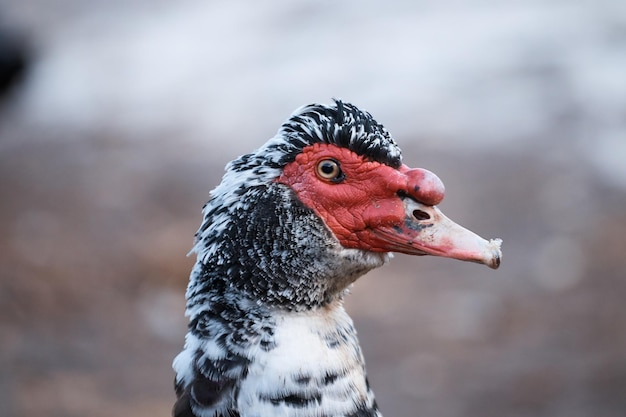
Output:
x,y
463,75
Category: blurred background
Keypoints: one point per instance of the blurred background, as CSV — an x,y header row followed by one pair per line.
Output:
x,y
117,118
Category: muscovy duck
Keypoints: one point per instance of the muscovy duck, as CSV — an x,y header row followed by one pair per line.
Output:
x,y
289,229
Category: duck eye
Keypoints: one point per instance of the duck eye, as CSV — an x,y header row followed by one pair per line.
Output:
x,y
328,169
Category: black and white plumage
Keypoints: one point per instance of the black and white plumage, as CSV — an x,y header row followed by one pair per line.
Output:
x,y
289,229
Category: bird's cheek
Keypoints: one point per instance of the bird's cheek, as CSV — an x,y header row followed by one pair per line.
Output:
x,y
377,214
343,224
389,212
353,225
342,211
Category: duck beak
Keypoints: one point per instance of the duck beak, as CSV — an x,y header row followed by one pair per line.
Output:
x,y
427,231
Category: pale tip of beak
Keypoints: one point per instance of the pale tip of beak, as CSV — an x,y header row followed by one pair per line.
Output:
x,y
495,253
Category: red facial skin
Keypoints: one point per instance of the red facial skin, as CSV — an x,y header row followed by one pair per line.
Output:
x,y
368,198
378,208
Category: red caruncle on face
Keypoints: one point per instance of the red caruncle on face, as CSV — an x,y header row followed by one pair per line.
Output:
x,y
365,196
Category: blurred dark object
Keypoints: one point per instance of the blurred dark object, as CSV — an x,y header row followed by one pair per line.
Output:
x,y
14,60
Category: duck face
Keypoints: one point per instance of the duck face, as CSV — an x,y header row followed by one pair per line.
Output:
x,y
375,207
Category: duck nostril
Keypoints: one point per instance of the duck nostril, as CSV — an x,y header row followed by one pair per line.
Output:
x,y
421,215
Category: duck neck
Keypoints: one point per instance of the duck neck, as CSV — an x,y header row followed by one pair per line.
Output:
x,y
278,253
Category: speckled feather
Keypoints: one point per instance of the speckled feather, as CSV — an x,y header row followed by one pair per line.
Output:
x,y
268,335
